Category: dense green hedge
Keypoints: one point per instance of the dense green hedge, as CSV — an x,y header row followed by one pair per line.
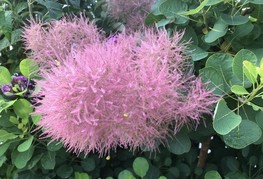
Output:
x,y
226,42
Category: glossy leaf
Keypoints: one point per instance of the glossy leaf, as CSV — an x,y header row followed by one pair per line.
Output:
x,y
243,135
225,119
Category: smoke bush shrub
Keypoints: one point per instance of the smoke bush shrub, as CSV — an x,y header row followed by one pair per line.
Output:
x,y
131,91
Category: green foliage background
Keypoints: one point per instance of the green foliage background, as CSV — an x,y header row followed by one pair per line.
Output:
x,y
227,47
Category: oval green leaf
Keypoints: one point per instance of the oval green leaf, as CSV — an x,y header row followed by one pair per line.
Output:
x,y
219,30
234,20
239,90
22,158
125,174
4,136
5,77
23,108
239,58
140,166
48,161
243,135
212,175
179,144
28,68
25,145
64,171
250,71
224,119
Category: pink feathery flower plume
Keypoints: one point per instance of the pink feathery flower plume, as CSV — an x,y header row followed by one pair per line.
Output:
x,y
132,13
131,92
51,43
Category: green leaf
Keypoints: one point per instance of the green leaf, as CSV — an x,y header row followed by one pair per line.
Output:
x,y
5,104
48,160
36,119
78,175
5,77
243,135
2,160
21,158
225,119
125,174
35,159
222,63
28,68
4,136
54,146
259,119
239,90
219,30
25,145
212,175
250,71
3,148
256,1
172,8
214,79
64,171
179,144
234,20
196,10
213,2
239,58
23,108
88,164
197,52
140,166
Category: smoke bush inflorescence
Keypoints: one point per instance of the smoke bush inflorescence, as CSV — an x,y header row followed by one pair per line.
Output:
x,y
132,13
131,91
51,43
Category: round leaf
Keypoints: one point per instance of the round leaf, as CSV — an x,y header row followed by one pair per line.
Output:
x,y
239,90
48,161
212,174
25,145
225,119
21,159
28,68
64,171
88,164
140,166
245,134
219,30
234,20
23,108
125,174
5,77
239,58
179,144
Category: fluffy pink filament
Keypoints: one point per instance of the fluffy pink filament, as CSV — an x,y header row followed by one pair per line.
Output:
x,y
131,92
